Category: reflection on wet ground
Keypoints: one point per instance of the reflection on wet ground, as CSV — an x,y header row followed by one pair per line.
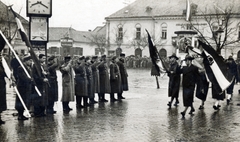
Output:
x,y
142,116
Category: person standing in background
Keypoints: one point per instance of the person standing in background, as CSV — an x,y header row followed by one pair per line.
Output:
x,y
104,79
174,80
40,102
53,89
123,74
81,90
95,74
115,79
67,83
89,80
232,70
189,80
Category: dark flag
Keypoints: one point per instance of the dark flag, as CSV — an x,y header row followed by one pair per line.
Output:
x,y
216,68
2,43
27,42
157,61
18,59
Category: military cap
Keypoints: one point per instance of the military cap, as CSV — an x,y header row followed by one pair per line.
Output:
x,y
51,58
104,56
188,57
26,57
81,58
122,54
173,56
94,57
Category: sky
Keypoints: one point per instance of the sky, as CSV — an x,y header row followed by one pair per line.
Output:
x,y
82,15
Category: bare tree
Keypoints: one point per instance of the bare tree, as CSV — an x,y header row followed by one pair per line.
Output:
x,y
219,25
99,40
141,43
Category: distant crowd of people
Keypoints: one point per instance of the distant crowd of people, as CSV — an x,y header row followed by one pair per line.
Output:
x,y
82,78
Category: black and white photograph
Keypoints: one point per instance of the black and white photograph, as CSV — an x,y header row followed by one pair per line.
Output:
x,y
119,70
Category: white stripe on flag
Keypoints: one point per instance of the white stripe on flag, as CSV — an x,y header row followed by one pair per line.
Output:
x,y
188,12
221,79
19,24
6,68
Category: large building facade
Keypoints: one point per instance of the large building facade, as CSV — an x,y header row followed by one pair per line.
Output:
x,y
166,22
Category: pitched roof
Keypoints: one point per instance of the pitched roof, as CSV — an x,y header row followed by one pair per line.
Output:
x,y
168,8
56,33
7,16
100,30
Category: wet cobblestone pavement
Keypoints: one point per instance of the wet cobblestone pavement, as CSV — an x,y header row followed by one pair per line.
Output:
x,y
142,117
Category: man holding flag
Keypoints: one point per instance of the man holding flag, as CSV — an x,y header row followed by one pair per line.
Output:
x,y
24,85
217,72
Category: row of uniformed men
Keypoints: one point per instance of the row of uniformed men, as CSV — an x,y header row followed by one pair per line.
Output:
x,y
81,78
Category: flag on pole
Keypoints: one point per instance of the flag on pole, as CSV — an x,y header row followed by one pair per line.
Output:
x,y
9,73
27,43
194,52
2,43
159,64
18,59
188,11
216,68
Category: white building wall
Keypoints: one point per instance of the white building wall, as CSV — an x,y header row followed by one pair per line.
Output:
x,y
154,28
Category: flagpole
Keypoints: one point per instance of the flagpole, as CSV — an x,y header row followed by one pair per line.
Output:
x,y
8,73
19,60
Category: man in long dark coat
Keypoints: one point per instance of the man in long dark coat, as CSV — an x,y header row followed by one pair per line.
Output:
x,y
115,79
91,89
53,88
3,101
189,80
232,70
202,87
95,74
81,90
40,102
174,80
104,78
124,75
24,86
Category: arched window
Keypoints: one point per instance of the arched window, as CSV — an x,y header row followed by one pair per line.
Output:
x,y
118,51
138,31
138,52
164,30
238,55
163,53
215,28
120,33
238,30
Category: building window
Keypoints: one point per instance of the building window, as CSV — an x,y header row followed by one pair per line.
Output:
x,y
120,33
138,31
163,53
97,51
22,51
138,52
111,53
164,31
214,29
118,51
78,51
239,31
189,27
